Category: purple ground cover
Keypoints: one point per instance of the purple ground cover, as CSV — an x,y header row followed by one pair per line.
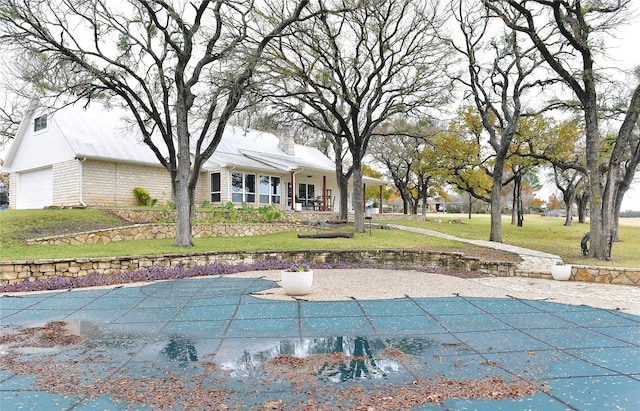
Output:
x,y
158,273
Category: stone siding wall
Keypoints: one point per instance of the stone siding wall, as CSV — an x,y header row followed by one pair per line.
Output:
x,y
162,231
110,183
66,183
13,178
16,271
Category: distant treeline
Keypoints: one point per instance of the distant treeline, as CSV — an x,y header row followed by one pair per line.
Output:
x,y
629,214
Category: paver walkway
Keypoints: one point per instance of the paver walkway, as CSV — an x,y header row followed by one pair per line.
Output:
x,y
532,261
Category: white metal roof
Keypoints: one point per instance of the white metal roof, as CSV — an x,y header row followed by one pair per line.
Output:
x,y
240,147
94,131
97,132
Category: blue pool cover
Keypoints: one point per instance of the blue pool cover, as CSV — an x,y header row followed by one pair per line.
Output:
x,y
210,343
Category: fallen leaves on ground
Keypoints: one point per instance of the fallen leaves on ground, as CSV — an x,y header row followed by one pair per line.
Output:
x,y
206,389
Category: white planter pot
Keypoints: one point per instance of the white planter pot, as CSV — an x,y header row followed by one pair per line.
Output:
x,y
296,283
298,206
561,272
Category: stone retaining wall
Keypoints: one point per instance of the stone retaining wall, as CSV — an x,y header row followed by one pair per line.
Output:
x,y
606,275
16,271
162,231
156,215
160,215
593,274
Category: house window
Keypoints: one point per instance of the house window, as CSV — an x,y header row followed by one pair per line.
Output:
x,y
306,194
243,188
40,123
269,190
275,190
216,192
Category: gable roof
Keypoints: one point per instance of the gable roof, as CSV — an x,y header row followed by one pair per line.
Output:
x,y
85,132
259,149
96,132
100,133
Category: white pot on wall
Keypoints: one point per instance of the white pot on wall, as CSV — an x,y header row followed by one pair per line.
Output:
x,y
561,272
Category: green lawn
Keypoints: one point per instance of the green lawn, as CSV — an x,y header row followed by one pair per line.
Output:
x,y
16,225
540,233
546,234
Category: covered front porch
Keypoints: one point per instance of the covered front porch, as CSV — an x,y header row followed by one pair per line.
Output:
x,y
320,192
311,192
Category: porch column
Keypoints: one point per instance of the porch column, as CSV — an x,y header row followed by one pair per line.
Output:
x,y
324,193
292,197
380,201
364,198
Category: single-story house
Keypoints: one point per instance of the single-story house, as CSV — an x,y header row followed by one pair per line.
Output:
x,y
88,155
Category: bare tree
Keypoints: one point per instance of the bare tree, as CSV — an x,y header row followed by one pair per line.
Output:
x,y
399,153
568,34
20,73
567,181
11,113
356,65
497,86
181,68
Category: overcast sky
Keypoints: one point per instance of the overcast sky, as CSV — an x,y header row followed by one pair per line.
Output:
x,y
625,56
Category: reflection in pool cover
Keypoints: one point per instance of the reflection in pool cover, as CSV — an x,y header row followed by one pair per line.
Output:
x,y
181,349
362,357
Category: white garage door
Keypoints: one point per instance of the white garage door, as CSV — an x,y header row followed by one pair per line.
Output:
x,y
35,189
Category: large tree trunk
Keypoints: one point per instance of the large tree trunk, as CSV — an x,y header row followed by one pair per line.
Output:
x,y
516,203
343,185
568,218
424,207
414,206
514,208
182,196
616,217
608,206
496,214
404,195
583,203
496,201
358,198
597,228
519,209
568,197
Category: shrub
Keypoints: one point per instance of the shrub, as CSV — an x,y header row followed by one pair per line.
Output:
x,y
142,195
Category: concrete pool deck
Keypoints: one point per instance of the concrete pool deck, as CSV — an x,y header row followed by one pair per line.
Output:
x,y
336,285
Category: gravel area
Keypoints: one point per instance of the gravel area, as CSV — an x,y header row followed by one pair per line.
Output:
x,y
334,285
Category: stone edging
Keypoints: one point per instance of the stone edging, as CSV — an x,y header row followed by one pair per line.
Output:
x,y
591,274
161,231
606,275
16,271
